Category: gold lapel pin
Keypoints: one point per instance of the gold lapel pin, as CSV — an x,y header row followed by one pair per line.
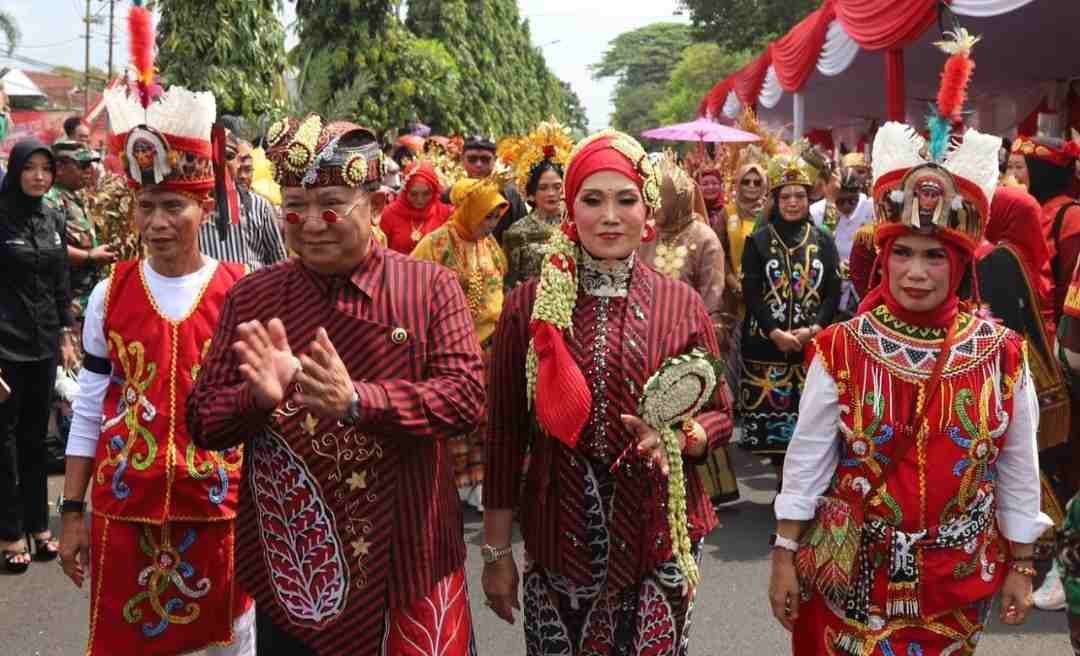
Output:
x,y
399,336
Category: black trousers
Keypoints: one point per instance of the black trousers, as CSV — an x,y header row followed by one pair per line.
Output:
x,y
271,640
24,421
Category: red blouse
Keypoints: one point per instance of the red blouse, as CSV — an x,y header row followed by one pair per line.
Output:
x,y
659,318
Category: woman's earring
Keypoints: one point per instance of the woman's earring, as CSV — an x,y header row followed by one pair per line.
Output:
x,y
649,234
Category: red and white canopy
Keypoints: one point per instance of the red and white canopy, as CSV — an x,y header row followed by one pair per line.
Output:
x,y
845,63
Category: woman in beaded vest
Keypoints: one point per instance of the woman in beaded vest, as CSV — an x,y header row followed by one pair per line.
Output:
x,y
573,352
789,265
915,442
538,162
465,245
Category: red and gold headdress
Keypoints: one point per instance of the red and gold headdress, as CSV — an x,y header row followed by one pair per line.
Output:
x,y
311,153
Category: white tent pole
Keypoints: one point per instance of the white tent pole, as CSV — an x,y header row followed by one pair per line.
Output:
x,y
798,107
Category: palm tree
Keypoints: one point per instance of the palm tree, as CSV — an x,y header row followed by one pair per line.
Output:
x,y
10,30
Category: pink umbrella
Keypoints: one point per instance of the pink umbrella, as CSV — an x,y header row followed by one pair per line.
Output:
x,y
701,130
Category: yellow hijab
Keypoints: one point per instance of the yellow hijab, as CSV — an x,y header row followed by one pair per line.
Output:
x,y
478,261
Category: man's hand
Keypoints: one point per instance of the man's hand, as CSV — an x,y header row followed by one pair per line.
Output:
x,y
267,362
500,583
325,384
103,254
69,354
784,588
75,548
1015,598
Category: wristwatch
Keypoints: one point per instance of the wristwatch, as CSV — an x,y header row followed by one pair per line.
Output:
x,y
777,541
353,415
492,554
69,506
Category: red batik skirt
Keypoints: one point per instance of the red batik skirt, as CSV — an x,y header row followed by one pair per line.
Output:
x,y
161,589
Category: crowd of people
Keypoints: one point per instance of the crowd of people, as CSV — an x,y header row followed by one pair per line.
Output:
x,y
290,389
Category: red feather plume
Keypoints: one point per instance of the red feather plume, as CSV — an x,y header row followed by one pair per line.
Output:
x,y
141,32
952,94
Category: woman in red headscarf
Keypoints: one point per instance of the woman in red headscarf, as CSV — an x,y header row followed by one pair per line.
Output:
x,y
573,351
911,484
416,212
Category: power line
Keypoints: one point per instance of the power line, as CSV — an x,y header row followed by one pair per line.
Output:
x,y
19,46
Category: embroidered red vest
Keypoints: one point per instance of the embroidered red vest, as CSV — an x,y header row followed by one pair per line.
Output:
x,y
147,469
930,540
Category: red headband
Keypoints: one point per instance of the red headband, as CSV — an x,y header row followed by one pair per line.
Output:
x,y
593,158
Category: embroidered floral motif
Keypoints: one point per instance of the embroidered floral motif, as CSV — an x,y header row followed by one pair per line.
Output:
x,y
168,569
982,448
609,278
121,450
304,555
219,463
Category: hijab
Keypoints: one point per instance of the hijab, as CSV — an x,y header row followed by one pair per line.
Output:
x,y
1016,218
11,187
400,217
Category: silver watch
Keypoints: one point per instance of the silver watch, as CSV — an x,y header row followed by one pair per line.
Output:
x,y
492,554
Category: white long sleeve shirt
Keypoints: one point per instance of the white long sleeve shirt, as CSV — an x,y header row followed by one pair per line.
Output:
x,y
174,296
814,453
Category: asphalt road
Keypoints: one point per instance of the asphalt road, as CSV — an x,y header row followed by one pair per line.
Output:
x,y
42,614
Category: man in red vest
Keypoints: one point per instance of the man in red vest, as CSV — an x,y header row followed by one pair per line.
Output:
x,y
159,549
344,372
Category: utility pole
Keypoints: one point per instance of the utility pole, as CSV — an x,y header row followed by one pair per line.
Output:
x,y
86,74
112,7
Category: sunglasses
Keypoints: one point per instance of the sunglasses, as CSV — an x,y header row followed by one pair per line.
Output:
x,y
479,159
328,216
748,182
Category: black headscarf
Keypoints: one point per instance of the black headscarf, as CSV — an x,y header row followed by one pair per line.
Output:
x,y
11,188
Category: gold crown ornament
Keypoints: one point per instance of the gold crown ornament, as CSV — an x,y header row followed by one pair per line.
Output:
x,y
550,141
787,170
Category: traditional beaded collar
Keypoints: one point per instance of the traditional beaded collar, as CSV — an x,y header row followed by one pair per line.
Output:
x,y
605,278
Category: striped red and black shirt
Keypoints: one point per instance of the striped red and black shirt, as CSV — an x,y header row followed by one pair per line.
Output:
x,y
337,522
659,318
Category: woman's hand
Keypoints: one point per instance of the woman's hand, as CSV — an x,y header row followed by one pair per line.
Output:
x,y
784,588
650,447
1015,598
785,341
75,547
500,583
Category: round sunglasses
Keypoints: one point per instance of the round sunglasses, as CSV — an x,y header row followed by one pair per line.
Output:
x,y
328,216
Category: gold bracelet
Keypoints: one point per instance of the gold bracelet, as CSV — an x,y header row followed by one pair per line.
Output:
x,y
689,431
1023,570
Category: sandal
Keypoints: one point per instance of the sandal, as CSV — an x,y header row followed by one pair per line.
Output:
x,y
9,557
45,549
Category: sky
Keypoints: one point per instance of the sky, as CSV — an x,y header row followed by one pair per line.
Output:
x,y
572,34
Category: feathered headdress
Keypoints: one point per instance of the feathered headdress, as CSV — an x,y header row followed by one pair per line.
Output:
x,y
550,141
939,184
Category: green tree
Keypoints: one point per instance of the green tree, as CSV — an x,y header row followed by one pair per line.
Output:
x,y
573,113
745,24
233,48
348,40
641,61
701,66
10,29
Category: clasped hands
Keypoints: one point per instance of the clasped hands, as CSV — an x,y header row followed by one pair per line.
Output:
x,y
791,341
269,366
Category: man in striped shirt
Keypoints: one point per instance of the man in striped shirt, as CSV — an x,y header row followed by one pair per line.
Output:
x,y
344,372
254,240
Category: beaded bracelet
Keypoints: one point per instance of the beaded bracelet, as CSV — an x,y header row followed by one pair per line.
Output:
x,y
1023,570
